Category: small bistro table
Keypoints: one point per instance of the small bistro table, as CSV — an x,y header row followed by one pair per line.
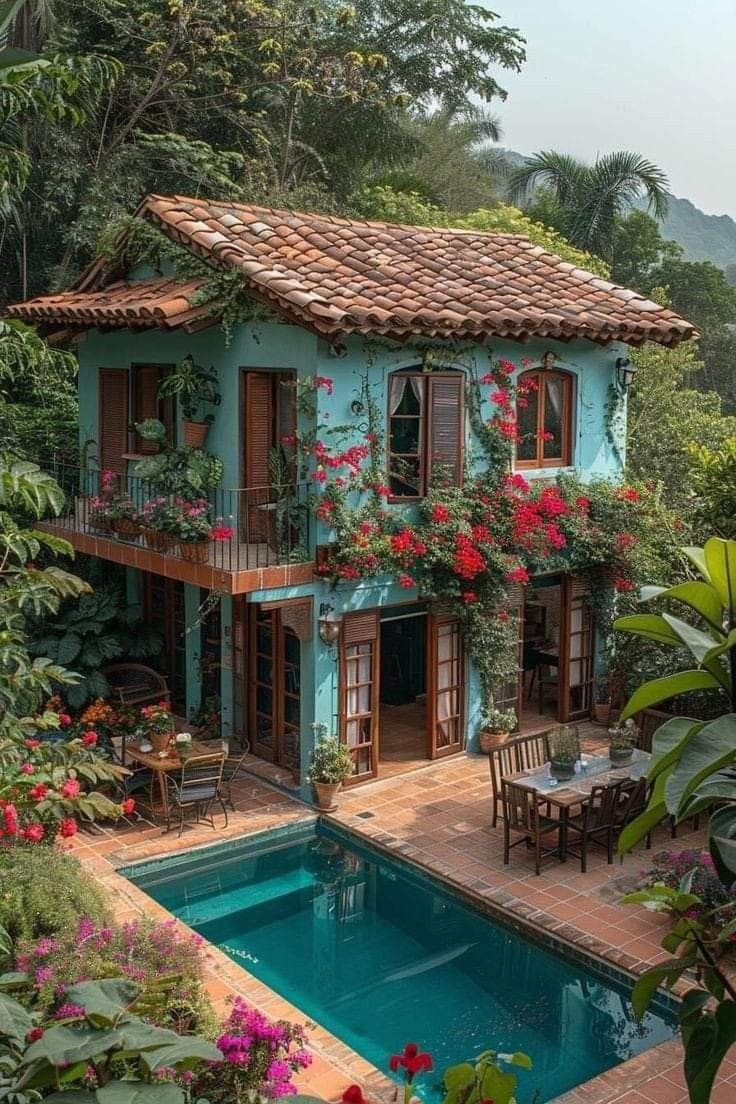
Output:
x,y
596,770
163,765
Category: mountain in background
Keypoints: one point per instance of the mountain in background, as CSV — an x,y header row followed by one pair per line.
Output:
x,y
702,237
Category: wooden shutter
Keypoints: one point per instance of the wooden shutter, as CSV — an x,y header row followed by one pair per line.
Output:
x,y
446,686
446,423
145,400
112,425
577,653
359,690
257,428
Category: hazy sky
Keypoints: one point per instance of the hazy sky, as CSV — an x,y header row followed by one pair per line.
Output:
x,y
654,76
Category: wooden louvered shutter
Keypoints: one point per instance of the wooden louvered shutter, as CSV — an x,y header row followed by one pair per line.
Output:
x,y
577,652
257,422
112,425
446,422
359,689
145,400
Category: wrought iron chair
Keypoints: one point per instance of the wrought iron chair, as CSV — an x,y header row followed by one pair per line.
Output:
x,y
197,787
633,798
520,753
230,771
598,823
522,815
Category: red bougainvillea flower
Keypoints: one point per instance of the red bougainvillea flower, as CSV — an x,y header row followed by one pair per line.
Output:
x,y
353,1095
221,533
64,720
32,744
27,768
68,827
412,1061
629,494
622,584
38,792
128,806
34,1034
518,575
469,596
503,616
89,739
70,788
406,582
440,514
34,833
582,503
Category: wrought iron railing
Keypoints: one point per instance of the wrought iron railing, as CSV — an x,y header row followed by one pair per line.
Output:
x,y
267,525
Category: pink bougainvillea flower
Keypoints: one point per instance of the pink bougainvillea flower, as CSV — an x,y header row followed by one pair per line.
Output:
x,y
27,768
64,720
406,582
221,533
469,597
68,827
89,739
34,833
34,1034
518,575
38,792
70,788
325,383
128,806
582,503
32,744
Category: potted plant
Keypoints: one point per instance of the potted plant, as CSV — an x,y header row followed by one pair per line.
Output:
x,y
158,516
622,741
191,384
157,725
564,746
152,433
331,764
602,701
497,726
183,745
123,515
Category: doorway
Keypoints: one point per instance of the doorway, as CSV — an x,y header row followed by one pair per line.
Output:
x,y
274,687
402,688
556,650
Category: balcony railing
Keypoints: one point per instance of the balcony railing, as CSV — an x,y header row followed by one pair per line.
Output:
x,y
270,524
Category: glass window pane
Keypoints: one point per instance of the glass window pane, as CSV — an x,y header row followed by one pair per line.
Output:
x,y
554,402
264,671
264,700
404,476
405,435
264,639
527,424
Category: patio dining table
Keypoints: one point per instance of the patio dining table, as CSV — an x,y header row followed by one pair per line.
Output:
x,y
594,770
161,765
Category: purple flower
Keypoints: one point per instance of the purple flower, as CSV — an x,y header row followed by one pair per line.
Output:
x,y
44,974
45,946
278,1070
69,1011
85,930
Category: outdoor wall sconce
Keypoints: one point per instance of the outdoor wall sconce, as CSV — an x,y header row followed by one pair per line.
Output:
x,y
329,624
625,372
548,360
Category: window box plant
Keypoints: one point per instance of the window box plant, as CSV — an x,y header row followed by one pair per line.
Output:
x,y
564,745
158,516
497,727
622,741
123,516
331,764
192,385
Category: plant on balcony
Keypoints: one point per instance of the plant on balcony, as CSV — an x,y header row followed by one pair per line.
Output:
x,y
158,517
185,472
153,432
192,385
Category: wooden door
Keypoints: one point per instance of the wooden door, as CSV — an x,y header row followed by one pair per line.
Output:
x,y
112,420
359,690
445,686
163,608
577,651
275,687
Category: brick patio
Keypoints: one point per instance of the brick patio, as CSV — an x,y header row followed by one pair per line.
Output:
x,y
439,818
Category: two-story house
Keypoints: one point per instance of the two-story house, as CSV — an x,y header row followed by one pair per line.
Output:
x,y
357,305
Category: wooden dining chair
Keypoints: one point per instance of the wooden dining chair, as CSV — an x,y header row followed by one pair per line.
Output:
x,y
523,816
198,787
597,823
633,798
501,761
531,751
518,754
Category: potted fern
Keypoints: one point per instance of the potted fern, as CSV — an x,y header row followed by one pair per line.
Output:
x,y
192,385
331,764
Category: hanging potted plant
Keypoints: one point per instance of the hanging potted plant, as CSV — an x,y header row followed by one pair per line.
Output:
x,y
498,725
192,385
331,764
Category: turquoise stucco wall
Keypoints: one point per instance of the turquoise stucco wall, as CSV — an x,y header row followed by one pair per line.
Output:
x,y
284,348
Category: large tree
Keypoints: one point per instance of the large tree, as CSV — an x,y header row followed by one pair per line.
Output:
x,y
589,199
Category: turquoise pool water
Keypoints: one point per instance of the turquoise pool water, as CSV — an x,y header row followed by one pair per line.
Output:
x,y
382,955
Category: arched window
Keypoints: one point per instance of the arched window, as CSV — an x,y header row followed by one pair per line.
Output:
x,y
544,412
425,431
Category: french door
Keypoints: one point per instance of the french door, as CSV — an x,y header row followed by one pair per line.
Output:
x,y
274,687
577,658
445,686
163,609
359,690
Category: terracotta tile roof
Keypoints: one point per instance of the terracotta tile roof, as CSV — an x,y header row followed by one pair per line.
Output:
x,y
339,276
144,304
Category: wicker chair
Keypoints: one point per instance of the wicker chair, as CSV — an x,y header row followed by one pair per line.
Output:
x,y
230,772
197,787
523,816
136,684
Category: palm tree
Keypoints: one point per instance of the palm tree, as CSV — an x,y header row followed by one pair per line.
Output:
x,y
589,198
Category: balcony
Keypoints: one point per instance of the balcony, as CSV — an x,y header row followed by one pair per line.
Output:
x,y
269,546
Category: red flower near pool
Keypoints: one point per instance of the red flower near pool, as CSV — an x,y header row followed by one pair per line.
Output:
x,y
412,1061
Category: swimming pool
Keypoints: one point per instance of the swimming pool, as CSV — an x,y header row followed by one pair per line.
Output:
x,y
381,954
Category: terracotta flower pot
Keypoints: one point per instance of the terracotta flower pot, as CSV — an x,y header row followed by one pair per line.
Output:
x,y
195,551
194,433
127,527
490,740
101,523
159,542
325,794
602,712
160,740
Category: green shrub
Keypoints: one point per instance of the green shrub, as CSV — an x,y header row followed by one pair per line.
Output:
x,y
44,892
